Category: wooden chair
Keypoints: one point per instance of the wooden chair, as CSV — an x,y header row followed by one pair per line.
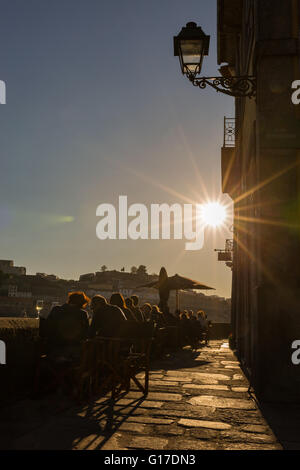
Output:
x,y
82,375
159,342
172,337
108,373
127,356
138,358
73,375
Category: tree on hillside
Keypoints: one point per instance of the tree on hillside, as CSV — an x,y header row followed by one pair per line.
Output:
x,y
142,270
103,268
133,270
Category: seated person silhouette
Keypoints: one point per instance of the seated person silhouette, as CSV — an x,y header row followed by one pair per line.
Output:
x,y
67,326
118,300
136,309
108,320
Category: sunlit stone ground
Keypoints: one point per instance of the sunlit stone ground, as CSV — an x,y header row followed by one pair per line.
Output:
x,y
197,400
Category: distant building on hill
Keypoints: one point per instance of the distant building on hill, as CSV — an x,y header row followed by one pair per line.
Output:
x,y
7,267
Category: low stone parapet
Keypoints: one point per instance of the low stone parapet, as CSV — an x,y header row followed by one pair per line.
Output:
x,y
19,336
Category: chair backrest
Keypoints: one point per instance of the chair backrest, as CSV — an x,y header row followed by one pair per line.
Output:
x,y
88,354
137,331
107,349
136,335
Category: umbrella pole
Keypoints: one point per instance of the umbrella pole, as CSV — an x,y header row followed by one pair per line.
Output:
x,y
177,300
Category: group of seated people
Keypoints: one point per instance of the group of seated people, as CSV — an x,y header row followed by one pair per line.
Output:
x,y
194,327
68,325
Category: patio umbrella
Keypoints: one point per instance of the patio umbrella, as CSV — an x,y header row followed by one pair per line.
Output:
x,y
165,284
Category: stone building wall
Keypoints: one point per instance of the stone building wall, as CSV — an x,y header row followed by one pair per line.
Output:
x,y
266,276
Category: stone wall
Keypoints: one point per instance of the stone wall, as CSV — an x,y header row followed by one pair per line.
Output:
x,y
19,336
265,289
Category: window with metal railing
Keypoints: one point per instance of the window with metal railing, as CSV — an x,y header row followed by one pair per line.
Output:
x,y
229,132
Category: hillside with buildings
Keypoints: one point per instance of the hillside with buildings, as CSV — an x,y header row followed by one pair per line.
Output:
x,y
19,293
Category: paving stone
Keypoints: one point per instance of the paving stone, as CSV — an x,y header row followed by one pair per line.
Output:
x,y
190,393
247,437
228,363
179,380
238,417
205,387
239,389
114,443
143,404
178,375
214,350
196,412
147,442
254,428
169,430
206,381
218,402
210,435
217,370
203,424
250,446
133,427
163,383
238,377
189,444
157,396
150,420
217,377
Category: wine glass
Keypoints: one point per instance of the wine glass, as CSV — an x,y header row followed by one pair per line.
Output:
x,y
39,306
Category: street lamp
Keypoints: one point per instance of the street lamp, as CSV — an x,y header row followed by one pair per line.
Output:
x,y
191,45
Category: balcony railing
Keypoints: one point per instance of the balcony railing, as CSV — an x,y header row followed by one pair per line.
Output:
x,y
227,254
229,132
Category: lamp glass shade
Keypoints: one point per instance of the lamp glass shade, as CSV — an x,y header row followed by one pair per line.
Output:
x,y
191,55
191,45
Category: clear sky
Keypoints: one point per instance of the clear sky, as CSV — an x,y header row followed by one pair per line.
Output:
x,y
96,108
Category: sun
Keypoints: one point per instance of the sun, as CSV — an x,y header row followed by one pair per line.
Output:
x,y
213,214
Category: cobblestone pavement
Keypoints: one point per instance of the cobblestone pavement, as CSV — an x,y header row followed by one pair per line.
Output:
x,y
197,401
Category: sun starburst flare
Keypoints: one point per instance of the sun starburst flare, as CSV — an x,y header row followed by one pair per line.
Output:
x,y
213,214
